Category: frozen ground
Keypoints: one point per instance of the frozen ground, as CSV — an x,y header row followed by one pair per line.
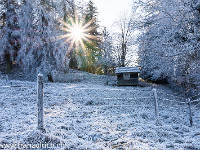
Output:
x,y
90,115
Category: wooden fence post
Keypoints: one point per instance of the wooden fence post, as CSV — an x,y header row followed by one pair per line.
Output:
x,y
156,107
40,94
190,112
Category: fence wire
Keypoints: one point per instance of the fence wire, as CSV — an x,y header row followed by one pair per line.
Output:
x,y
172,105
83,112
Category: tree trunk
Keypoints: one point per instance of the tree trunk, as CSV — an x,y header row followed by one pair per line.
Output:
x,y
8,63
123,56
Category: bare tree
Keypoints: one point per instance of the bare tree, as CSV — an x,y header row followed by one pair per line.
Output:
x,y
123,36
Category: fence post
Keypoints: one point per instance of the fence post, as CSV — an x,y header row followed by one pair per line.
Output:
x,y
156,107
40,86
190,112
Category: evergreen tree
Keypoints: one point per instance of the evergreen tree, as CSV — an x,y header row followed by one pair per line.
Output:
x,y
92,47
9,43
28,49
38,52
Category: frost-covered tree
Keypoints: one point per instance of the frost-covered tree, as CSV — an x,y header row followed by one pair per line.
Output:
x,y
2,25
64,9
36,51
42,50
169,44
9,43
89,56
92,47
27,52
123,37
107,50
2,14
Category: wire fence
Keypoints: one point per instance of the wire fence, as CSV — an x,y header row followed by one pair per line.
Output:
x,y
141,110
67,113
165,106
89,112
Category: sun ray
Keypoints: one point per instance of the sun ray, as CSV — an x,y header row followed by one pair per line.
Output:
x,y
76,18
82,45
77,33
65,24
82,21
88,29
87,40
70,48
66,29
63,36
72,22
90,36
88,24
68,39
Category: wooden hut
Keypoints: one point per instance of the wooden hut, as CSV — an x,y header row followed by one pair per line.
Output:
x,y
127,75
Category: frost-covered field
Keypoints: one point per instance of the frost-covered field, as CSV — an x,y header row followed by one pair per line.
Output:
x,y
88,115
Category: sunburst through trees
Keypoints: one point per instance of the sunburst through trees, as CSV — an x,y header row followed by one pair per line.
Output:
x,y
83,39
77,32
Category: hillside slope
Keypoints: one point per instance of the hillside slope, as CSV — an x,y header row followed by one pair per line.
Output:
x,y
89,115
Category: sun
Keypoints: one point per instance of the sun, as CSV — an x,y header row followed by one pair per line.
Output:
x,y
77,31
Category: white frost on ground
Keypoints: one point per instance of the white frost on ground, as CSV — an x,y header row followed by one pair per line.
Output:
x,y
87,115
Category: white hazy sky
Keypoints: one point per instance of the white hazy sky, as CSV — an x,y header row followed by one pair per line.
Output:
x,y
110,10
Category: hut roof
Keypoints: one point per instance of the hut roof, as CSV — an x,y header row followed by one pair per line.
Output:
x,y
127,70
